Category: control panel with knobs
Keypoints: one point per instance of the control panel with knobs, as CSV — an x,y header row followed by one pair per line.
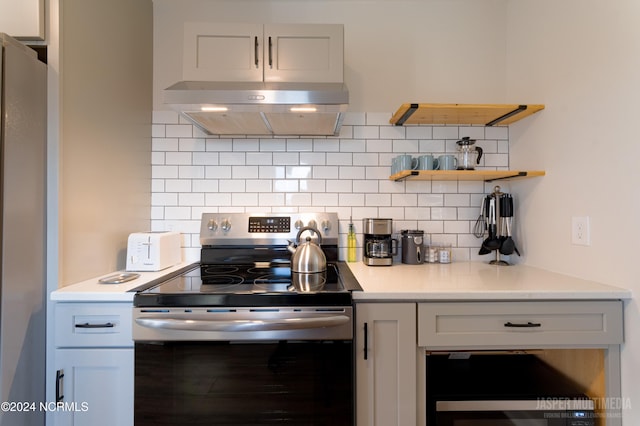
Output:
x,y
265,228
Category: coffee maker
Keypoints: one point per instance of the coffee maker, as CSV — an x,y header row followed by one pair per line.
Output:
x,y
379,247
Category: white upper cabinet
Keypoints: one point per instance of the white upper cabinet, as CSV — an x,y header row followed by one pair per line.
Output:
x,y
22,19
270,52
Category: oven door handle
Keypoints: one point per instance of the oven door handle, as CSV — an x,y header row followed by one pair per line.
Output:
x,y
267,324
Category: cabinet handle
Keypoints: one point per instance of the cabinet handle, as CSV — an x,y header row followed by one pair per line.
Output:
x,y
59,389
87,325
366,337
255,51
270,53
529,324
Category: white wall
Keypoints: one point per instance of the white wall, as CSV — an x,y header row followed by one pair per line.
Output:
x,y
580,58
103,141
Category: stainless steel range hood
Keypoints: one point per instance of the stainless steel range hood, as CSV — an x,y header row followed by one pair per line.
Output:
x,y
261,108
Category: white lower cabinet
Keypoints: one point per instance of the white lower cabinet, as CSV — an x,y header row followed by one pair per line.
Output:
x,y
386,364
94,364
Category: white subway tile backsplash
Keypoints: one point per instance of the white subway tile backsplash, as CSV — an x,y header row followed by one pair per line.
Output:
x,y
497,132
338,186
164,144
191,199
245,172
204,185
419,132
366,132
194,173
191,172
218,145
271,172
180,158
192,144
245,145
299,145
393,132
233,158
217,172
205,158
177,185
179,131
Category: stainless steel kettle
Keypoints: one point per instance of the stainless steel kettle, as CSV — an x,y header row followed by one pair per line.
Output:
x,y
308,256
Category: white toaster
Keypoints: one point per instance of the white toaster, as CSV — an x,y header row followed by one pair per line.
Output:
x,y
153,251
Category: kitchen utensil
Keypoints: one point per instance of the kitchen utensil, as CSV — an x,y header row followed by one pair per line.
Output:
x,y
508,245
481,222
486,206
468,154
307,257
492,242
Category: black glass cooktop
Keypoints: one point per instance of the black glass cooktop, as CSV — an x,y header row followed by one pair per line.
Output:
x,y
257,284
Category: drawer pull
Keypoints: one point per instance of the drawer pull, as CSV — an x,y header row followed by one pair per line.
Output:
x,y
59,376
87,325
529,324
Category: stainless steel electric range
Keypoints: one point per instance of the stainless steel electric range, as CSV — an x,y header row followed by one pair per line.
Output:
x,y
233,340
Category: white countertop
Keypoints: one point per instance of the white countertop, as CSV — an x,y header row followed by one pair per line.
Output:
x,y
457,281
92,290
474,281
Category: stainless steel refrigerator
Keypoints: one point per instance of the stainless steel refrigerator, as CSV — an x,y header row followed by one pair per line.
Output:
x,y
22,233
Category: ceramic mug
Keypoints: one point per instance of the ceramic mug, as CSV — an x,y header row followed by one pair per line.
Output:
x,y
427,162
395,165
406,162
447,162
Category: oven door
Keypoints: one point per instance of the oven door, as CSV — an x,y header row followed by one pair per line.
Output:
x,y
540,412
233,370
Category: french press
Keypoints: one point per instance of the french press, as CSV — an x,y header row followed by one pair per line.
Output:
x,y
468,154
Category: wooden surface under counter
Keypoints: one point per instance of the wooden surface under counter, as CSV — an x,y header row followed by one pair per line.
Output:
x,y
474,281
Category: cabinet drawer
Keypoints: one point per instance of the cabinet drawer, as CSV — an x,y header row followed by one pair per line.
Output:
x,y
93,325
519,324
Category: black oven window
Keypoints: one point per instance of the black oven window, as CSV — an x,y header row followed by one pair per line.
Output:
x,y
229,383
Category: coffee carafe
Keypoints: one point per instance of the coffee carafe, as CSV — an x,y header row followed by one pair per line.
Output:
x,y
379,247
468,154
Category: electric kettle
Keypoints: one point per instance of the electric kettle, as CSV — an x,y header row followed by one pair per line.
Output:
x,y
468,154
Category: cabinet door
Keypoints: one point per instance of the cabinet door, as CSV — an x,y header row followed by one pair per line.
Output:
x,y
22,19
97,387
304,53
386,364
222,52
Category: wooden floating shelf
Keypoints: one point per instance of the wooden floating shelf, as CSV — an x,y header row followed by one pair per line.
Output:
x,y
485,114
465,175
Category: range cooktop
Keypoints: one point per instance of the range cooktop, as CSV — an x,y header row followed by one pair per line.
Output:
x,y
247,285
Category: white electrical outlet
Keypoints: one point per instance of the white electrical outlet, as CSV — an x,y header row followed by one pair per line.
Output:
x,y
580,233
